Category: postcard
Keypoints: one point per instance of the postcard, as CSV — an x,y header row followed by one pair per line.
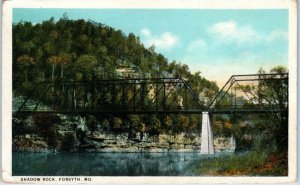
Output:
x,y
149,92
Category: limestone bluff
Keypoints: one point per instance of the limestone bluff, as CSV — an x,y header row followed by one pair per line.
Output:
x,y
75,136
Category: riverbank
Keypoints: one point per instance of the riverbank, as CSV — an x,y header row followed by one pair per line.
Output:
x,y
244,164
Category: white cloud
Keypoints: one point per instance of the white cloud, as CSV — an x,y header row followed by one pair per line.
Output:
x,y
231,48
230,31
146,32
202,55
277,35
197,45
165,41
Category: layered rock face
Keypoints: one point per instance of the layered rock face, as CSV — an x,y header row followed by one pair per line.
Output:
x,y
76,137
102,142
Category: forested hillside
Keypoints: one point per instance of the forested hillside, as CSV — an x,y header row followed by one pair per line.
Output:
x,y
80,50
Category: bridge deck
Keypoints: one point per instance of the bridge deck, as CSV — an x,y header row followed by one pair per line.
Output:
x,y
177,111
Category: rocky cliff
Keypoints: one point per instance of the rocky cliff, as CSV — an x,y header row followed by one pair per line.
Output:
x,y
74,136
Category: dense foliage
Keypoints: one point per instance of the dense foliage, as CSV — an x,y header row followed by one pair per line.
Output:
x,y
79,50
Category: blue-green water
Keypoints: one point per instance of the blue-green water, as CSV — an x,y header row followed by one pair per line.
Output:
x,y
104,164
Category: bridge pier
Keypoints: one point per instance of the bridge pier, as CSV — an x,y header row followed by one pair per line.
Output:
x,y
207,140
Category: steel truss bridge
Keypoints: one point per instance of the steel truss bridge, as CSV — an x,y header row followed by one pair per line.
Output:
x,y
149,96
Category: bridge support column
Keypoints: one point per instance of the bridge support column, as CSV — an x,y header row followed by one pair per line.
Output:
x,y
207,139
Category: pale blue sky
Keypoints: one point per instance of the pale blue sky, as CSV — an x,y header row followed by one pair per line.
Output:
x,y
219,43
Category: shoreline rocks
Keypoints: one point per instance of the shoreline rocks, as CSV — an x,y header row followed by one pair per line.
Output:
x,y
58,133
106,142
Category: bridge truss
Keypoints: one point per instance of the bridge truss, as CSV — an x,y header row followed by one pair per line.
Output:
x,y
154,96
130,96
247,93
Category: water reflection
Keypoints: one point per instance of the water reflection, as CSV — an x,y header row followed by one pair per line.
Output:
x,y
104,164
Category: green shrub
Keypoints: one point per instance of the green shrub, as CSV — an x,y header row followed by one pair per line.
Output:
x,y
45,128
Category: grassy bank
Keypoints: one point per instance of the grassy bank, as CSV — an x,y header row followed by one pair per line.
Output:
x,y
247,164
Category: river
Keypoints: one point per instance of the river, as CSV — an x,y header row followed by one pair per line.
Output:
x,y
105,164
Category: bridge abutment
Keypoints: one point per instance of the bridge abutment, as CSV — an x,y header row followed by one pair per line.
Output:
x,y
207,140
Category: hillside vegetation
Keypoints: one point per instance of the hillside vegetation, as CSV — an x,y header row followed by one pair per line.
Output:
x,y
80,50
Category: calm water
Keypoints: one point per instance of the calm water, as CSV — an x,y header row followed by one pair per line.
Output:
x,y
105,164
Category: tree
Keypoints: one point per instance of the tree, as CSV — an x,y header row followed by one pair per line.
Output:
x,y
184,122
168,123
25,62
117,122
194,122
54,60
276,94
64,61
85,66
155,125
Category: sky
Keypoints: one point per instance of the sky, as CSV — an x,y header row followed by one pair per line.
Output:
x,y
218,43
